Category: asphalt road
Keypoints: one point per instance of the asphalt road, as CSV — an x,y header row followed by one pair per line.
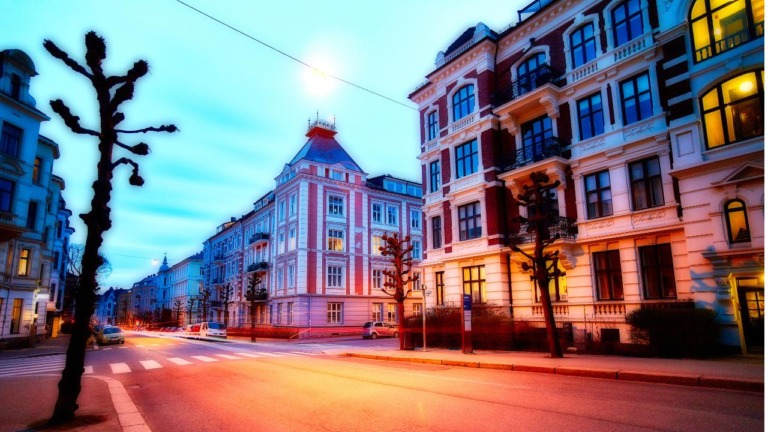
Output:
x,y
293,387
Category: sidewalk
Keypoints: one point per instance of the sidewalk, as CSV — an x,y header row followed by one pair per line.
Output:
x,y
28,401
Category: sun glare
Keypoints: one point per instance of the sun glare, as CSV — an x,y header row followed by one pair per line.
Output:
x,y
317,80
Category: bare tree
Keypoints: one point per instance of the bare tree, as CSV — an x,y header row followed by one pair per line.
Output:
x,y
543,265
202,301
255,295
178,305
191,308
225,295
111,92
399,276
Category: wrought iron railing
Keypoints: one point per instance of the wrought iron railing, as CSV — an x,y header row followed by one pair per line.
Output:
x,y
258,266
258,237
550,147
563,228
527,83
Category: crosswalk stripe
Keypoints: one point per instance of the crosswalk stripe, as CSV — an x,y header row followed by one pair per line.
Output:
x,y
88,370
250,355
179,361
204,359
269,354
32,371
228,357
107,349
304,353
289,354
119,368
150,364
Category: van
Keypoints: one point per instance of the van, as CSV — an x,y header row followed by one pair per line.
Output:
x,y
216,329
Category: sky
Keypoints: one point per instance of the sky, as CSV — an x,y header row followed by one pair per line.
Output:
x,y
241,107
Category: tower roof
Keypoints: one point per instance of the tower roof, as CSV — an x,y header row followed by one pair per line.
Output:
x,y
323,148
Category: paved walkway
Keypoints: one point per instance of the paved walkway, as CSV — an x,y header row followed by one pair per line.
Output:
x,y
28,401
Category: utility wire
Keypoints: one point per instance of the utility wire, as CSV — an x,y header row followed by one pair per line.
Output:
x,y
340,79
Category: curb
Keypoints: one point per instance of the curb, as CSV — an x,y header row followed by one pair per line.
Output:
x,y
128,415
692,380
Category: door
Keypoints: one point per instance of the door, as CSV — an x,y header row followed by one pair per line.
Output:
x,y
751,301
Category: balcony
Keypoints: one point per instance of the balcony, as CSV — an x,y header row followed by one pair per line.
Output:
x,y
217,280
531,9
260,295
258,237
215,303
543,75
218,257
258,266
8,229
729,42
549,148
564,228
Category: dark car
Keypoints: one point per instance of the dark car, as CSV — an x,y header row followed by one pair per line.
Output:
x,y
376,329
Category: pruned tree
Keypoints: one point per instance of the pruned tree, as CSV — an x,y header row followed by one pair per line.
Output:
x,y
178,305
225,295
399,276
191,308
202,302
542,264
255,294
111,92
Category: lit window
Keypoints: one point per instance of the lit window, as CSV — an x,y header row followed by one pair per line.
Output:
x,y
733,111
558,288
24,257
376,243
474,283
627,22
737,222
439,288
335,240
717,25
37,169
463,102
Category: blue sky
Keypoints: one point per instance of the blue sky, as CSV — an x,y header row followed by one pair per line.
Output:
x,y
242,108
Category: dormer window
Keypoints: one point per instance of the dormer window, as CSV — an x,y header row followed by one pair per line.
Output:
x,y
16,87
463,102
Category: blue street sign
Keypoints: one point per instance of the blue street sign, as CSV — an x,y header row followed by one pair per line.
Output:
x,y
467,302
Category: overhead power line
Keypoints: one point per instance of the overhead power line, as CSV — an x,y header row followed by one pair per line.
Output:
x,y
283,53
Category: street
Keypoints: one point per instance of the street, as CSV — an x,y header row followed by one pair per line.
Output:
x,y
181,385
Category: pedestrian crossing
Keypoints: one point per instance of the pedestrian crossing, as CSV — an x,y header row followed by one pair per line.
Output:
x,y
55,363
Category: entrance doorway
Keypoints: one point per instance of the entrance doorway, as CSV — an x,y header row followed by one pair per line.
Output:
x,y
752,305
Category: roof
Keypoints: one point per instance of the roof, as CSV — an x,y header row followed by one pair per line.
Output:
x,y
323,148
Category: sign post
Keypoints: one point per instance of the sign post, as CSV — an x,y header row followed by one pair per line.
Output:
x,y
424,318
466,331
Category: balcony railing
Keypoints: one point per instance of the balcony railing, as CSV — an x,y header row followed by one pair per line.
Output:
x,y
258,237
540,76
217,280
564,228
218,257
6,216
258,266
550,147
729,42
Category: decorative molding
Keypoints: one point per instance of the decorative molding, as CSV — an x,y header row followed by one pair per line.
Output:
x,y
647,217
600,225
592,145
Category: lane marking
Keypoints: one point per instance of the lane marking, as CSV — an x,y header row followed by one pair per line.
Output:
x,y
304,353
150,364
179,361
118,368
227,356
270,354
88,370
205,359
252,355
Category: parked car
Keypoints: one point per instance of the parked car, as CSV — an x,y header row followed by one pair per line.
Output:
x,y
213,329
110,334
375,329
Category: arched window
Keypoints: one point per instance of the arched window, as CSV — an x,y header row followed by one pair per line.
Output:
x,y
463,102
583,48
736,221
529,71
733,110
627,20
718,25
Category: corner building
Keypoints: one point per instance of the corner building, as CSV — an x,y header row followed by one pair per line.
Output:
x,y
649,113
314,243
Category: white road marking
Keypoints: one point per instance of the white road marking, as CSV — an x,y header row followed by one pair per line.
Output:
x,y
205,359
270,354
227,356
304,353
179,361
250,355
150,364
119,368
88,370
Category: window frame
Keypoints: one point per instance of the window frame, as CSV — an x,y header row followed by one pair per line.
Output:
x,y
596,125
582,45
602,209
11,137
649,185
473,283
6,195
437,232
608,276
637,98
725,108
466,219
335,313
715,46
432,125
435,179
657,273
729,213
335,205
628,17
334,276
415,219
335,239
25,260
467,158
439,288
463,102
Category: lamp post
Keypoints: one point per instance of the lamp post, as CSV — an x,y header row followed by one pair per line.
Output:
x,y
424,317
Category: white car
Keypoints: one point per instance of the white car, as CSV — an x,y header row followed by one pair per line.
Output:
x,y
213,329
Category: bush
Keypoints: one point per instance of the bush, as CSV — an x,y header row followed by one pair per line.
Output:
x,y
491,327
675,332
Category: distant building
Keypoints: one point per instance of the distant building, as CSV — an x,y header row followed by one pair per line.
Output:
x,y
30,210
108,306
313,242
650,114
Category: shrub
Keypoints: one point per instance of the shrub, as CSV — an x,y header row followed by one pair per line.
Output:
x,y
491,327
675,332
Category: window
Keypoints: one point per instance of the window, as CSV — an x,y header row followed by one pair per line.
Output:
x,y
16,315
591,122
733,111
528,72
292,205
376,310
36,170
335,240
717,25
392,312
376,212
608,275
6,195
469,221
291,276
335,274
16,86
392,214
636,99
599,201
281,242
415,219
737,222
279,313
335,313
474,282
657,271
466,159
439,289
437,232
376,243
289,317
416,252
537,135
335,205
281,211
583,48
376,279
434,176
10,140
432,125
645,176
24,257
292,239
279,279
463,102
558,289
337,175
627,20
32,215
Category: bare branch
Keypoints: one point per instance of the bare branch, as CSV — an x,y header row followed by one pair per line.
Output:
x,y
72,121
61,55
164,128
96,52
141,149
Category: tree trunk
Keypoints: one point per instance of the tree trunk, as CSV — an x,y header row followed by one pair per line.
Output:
x,y
253,321
549,319
401,323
